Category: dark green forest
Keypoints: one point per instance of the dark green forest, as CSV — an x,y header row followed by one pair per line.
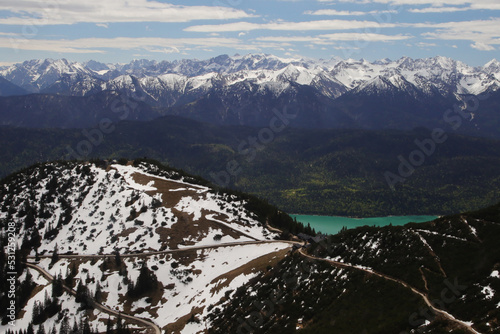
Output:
x,y
330,172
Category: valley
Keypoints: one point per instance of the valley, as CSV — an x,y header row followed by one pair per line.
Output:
x,y
322,172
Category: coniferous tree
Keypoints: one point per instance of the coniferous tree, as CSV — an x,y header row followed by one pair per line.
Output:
x,y
57,286
36,239
55,256
65,328
83,296
146,282
119,323
46,300
71,273
118,259
29,220
98,293
41,329
36,313
109,327
85,326
76,329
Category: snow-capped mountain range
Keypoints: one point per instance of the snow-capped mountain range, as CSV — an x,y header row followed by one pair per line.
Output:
x,y
331,77
247,90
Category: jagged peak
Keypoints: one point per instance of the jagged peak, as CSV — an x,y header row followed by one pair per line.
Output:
x,y
492,64
383,61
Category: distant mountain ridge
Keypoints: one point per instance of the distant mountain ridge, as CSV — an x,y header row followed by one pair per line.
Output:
x,y
245,90
446,74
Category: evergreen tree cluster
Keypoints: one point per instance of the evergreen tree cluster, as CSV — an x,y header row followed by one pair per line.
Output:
x,y
24,288
146,282
64,327
120,328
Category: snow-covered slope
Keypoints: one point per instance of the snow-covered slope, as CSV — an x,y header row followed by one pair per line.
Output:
x,y
98,225
92,210
332,77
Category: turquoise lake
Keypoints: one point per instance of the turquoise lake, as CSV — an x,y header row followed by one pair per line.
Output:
x,y
333,224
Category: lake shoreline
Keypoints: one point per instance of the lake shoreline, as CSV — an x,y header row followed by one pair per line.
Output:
x,y
333,224
360,217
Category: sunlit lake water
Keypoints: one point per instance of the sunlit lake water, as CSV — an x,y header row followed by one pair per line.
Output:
x,y
333,224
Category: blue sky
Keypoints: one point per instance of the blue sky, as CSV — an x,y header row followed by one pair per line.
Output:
x,y
117,31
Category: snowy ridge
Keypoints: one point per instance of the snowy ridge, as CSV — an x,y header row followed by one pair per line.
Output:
x,y
331,77
127,209
195,284
108,221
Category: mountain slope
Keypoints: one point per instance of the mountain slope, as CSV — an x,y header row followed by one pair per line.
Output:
x,y
336,93
139,248
246,103
435,277
9,89
444,74
58,111
137,238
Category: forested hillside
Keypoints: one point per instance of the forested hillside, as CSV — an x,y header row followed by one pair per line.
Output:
x,y
332,172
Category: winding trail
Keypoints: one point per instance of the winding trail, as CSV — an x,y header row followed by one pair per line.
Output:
x,y
423,278
157,330
169,251
431,252
148,323
448,316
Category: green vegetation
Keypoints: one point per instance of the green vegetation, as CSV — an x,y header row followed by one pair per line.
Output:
x,y
330,172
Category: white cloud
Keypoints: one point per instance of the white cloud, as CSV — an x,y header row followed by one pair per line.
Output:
x,y
426,45
337,37
291,26
483,33
287,39
365,37
333,39
350,48
52,12
333,12
473,4
7,63
100,45
438,10
166,50
482,47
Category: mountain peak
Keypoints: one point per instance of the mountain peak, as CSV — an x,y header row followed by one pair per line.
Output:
x,y
492,65
427,74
